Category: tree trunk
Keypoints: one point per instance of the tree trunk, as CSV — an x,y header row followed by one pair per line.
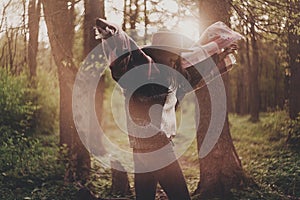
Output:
x,y
229,95
221,169
120,182
248,70
277,96
146,21
34,11
241,102
60,24
134,14
294,57
12,38
241,99
93,10
125,15
24,32
254,90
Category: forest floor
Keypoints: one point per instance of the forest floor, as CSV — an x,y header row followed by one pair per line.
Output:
x,y
273,165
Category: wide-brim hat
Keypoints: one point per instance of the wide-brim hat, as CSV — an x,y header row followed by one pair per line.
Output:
x,y
170,41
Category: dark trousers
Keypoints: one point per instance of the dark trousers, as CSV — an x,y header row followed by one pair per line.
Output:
x,y
170,178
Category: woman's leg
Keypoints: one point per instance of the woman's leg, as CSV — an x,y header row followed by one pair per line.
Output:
x,y
145,186
172,181
169,176
144,182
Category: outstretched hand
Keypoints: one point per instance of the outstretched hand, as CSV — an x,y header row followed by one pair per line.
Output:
x,y
228,50
103,29
232,48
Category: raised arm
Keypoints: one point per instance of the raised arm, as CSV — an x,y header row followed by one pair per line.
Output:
x,y
121,51
212,55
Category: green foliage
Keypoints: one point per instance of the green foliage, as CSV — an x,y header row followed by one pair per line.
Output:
x,y
292,129
28,110
275,123
34,167
16,106
30,168
262,148
46,99
27,162
100,181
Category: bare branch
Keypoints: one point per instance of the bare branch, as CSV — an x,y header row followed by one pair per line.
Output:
x,y
3,13
2,52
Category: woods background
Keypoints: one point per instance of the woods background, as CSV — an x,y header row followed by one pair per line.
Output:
x,y
43,44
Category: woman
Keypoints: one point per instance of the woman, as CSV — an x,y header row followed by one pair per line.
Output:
x,y
154,79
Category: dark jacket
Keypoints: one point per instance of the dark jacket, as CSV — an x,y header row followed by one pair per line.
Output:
x,y
140,96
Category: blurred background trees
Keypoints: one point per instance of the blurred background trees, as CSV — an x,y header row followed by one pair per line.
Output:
x,y
43,43
266,72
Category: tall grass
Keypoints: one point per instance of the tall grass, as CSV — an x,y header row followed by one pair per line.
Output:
x,y
267,157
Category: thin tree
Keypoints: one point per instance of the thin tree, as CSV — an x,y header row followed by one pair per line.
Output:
x,y
134,12
254,88
125,14
241,102
294,57
12,48
34,10
146,21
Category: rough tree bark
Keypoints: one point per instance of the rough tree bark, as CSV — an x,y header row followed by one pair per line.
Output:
x,y
294,60
241,100
146,21
133,14
241,104
221,169
125,15
59,16
34,11
254,88
93,10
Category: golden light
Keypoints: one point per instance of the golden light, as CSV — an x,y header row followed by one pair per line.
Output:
x,y
188,27
169,6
